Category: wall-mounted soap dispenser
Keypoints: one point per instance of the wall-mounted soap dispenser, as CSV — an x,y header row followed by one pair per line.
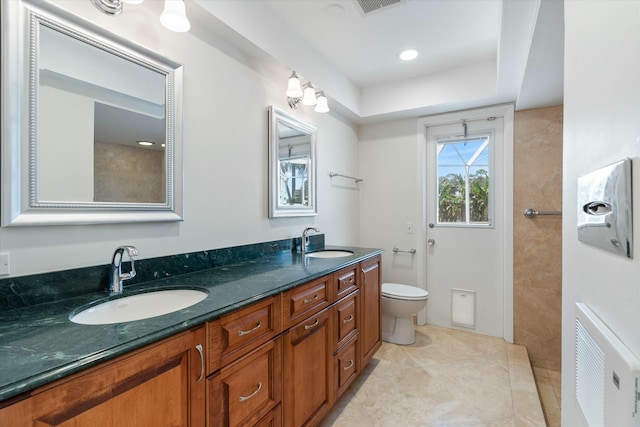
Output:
x,y
605,208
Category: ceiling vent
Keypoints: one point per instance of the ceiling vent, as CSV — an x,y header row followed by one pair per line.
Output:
x,y
367,7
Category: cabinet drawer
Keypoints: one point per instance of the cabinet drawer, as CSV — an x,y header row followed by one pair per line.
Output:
x,y
345,281
272,419
237,333
244,392
346,366
346,319
306,300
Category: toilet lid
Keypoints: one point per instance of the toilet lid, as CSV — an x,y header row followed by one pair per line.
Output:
x,y
406,292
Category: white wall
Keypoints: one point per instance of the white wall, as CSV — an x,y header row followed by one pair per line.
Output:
x,y
225,162
601,126
390,166
68,175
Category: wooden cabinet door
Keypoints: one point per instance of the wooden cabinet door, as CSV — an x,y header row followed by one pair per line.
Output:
x,y
346,318
371,320
248,390
346,366
160,385
240,332
301,302
308,374
345,281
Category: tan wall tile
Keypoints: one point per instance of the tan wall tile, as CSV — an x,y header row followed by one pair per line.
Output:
x,y
538,241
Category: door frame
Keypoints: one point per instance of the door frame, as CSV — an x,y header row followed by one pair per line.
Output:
x,y
506,111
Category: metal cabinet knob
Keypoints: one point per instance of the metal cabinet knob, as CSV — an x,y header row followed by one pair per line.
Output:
x,y
431,242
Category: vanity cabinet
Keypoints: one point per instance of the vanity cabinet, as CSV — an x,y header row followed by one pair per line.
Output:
x,y
281,361
161,384
371,294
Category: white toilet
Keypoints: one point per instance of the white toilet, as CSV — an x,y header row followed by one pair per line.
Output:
x,y
399,304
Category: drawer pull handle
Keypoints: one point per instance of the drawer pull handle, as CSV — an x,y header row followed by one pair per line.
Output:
x,y
346,368
241,333
243,398
307,327
348,319
307,301
199,348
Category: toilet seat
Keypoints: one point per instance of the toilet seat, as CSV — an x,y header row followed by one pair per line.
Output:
x,y
403,292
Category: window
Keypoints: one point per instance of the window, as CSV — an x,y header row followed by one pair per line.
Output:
x,y
463,181
294,181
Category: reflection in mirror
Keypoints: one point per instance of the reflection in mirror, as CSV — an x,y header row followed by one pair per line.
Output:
x,y
129,160
292,166
94,100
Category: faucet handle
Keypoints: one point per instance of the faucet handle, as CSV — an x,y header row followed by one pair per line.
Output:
x,y
132,251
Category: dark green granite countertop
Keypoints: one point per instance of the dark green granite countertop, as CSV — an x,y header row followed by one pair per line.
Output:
x,y
39,344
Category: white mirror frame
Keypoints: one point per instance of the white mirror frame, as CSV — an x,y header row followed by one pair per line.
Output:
x,y
275,211
20,206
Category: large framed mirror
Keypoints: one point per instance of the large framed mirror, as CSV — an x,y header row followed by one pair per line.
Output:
x,y
292,166
92,123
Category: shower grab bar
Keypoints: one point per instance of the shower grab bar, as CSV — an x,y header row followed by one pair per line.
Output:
x,y
332,174
410,251
530,213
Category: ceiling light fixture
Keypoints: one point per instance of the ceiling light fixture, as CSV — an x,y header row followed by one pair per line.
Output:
x,y
146,143
173,17
408,54
305,94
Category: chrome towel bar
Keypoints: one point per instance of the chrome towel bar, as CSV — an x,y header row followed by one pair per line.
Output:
x,y
530,213
410,251
332,174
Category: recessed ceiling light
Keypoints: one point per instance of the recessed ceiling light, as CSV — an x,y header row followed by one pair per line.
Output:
x,y
146,143
408,54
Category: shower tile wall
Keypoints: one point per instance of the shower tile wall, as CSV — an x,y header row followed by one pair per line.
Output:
x,y
538,241
128,174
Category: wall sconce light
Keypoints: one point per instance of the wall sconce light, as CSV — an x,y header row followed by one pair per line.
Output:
x,y
173,17
305,94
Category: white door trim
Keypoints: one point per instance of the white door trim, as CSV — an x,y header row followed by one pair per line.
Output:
x,y
507,113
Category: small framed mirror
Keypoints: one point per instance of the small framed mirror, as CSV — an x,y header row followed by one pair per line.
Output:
x,y
292,166
92,123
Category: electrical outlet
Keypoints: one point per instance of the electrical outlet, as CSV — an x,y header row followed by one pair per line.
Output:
x,y
409,227
4,264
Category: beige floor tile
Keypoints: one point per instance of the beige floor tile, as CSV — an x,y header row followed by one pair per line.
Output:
x,y
447,378
517,355
540,372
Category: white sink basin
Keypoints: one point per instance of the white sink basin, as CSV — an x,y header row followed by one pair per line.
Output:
x,y
139,306
329,253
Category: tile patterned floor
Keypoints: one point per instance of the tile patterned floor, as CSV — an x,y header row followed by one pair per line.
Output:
x,y
447,378
548,383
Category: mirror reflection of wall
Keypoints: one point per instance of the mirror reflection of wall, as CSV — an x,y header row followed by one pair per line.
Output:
x,y
123,170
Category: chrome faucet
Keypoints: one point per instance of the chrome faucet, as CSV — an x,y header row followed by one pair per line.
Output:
x,y
304,242
116,276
